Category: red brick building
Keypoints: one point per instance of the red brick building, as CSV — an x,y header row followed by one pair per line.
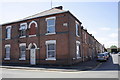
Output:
x,y
54,36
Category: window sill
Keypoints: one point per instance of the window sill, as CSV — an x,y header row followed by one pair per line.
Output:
x,y
78,57
32,35
50,33
6,58
50,59
73,58
22,36
22,59
77,35
7,38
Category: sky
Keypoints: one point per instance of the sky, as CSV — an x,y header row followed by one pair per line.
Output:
x,y
99,18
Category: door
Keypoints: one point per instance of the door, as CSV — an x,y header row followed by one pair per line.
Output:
x,y
32,57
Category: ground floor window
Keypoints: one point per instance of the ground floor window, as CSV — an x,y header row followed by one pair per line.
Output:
x,y
78,52
7,52
22,51
51,50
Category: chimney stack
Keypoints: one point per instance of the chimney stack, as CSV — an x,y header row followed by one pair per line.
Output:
x,y
59,7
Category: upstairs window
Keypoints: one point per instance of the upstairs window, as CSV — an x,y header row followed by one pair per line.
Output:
x,y
22,51
7,52
32,28
8,32
77,30
50,25
23,28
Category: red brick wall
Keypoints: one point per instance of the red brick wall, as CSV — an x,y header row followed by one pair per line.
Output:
x,y
72,40
61,41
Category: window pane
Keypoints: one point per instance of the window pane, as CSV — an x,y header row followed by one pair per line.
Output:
x,y
8,33
50,22
51,46
23,33
77,47
51,29
78,55
23,27
7,52
22,54
22,51
77,29
33,47
51,54
78,50
22,48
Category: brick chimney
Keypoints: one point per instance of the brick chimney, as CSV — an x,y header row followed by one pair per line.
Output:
x,y
59,7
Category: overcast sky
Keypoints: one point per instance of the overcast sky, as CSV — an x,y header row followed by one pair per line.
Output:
x,y
99,18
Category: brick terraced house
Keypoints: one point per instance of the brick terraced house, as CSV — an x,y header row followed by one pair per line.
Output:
x,y
54,36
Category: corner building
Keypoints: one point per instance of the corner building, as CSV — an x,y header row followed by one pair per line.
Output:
x,y
54,36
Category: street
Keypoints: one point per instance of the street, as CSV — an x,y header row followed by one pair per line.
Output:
x,y
107,69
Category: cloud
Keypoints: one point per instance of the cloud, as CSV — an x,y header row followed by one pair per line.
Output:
x,y
110,43
107,41
113,35
106,35
105,28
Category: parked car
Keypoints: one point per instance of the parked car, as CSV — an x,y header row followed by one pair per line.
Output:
x,y
102,57
108,54
118,53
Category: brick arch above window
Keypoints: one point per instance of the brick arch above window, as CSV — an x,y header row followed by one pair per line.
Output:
x,y
32,28
34,23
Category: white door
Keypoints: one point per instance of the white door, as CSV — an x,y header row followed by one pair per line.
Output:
x,y
32,57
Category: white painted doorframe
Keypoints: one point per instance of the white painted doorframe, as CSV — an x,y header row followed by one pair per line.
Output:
x,y
32,56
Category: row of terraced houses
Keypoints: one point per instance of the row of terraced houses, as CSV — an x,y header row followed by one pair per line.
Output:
x,y
54,36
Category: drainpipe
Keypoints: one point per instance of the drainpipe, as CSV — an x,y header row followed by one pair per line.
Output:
x,y
39,39
82,45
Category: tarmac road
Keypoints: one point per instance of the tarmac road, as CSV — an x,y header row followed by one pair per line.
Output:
x,y
107,69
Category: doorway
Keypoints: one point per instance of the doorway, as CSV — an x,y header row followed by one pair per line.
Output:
x,y
33,55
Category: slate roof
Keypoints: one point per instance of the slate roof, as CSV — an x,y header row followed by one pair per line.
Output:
x,y
41,14
46,13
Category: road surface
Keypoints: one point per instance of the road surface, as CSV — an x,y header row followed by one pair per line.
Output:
x,y
107,69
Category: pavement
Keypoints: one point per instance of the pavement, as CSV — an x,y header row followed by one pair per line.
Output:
x,y
82,66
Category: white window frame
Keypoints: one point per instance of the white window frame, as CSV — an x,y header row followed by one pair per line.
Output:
x,y
35,26
77,29
78,43
8,33
21,29
22,58
7,45
52,25
50,42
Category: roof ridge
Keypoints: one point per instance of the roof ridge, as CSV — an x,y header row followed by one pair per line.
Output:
x,y
37,13
42,12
